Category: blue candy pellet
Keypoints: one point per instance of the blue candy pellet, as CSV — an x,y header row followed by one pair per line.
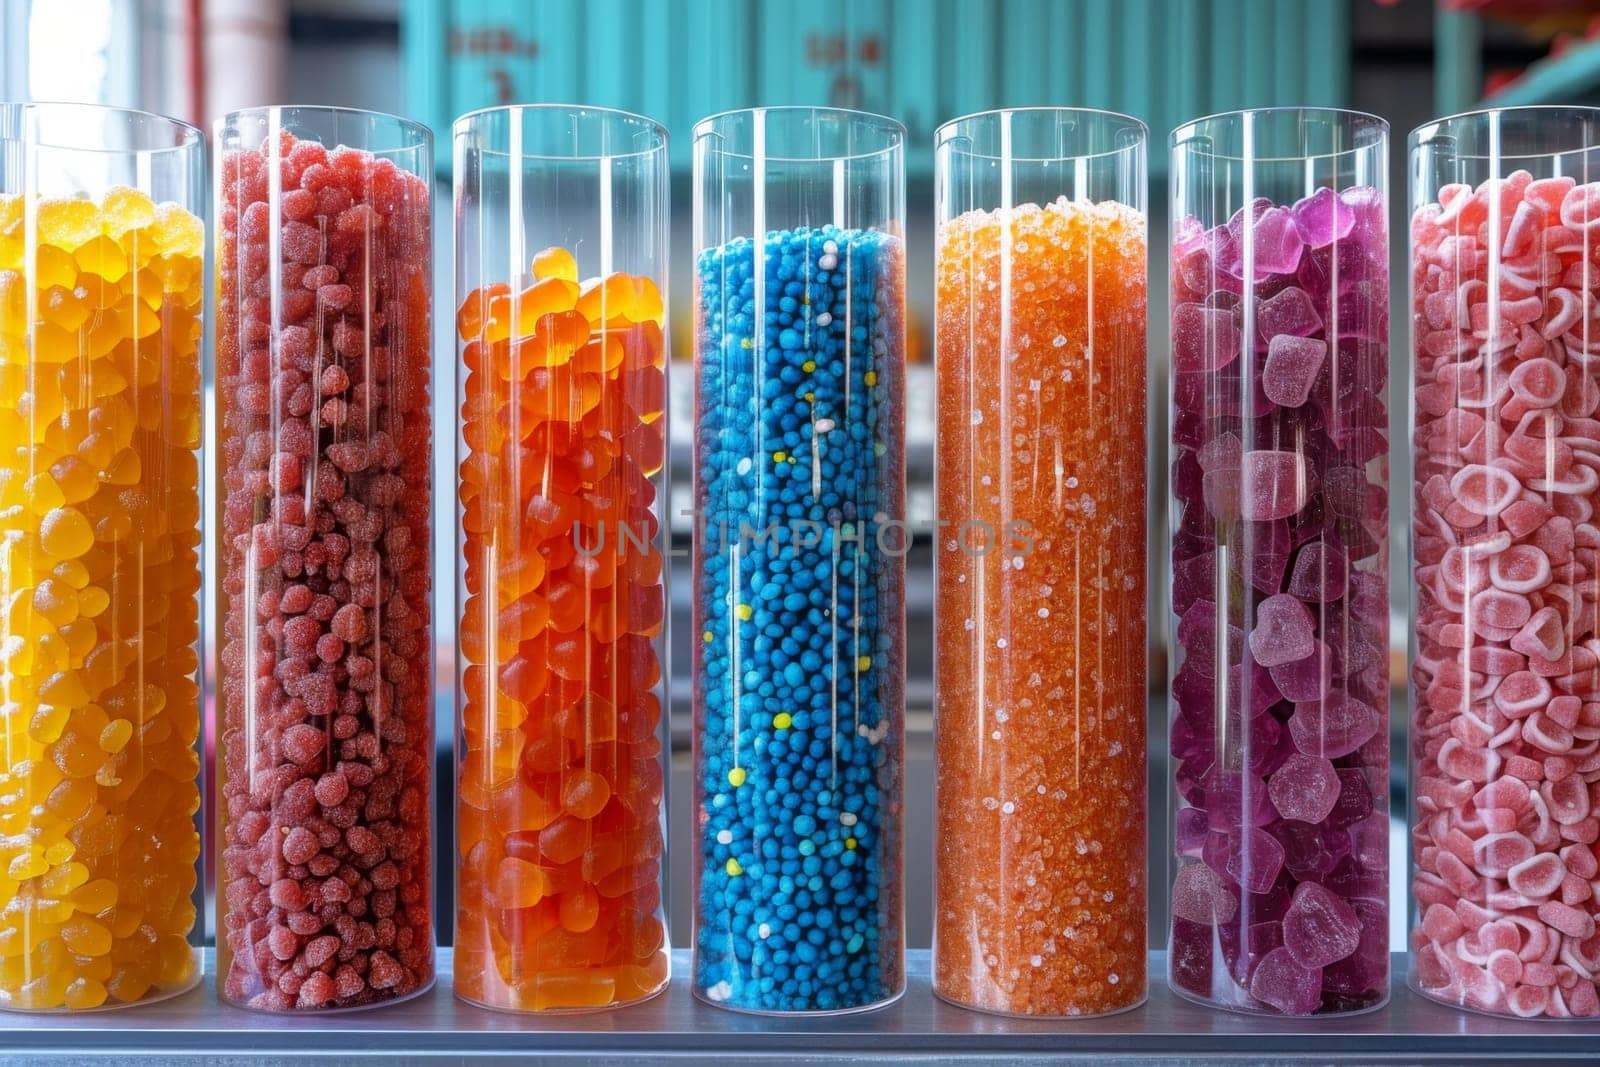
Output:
x,y
799,446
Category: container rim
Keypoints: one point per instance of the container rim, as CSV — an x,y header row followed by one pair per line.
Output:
x,y
416,131
191,135
893,130
946,131
657,130
1182,132
1421,134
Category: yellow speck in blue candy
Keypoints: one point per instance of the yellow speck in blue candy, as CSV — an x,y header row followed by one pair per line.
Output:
x,y
780,457
782,721
736,777
850,843
745,342
745,612
871,377
733,868
809,365
810,397
708,637
864,663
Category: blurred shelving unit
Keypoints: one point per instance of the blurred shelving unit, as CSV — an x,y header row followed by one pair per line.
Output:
x,y
1471,43
922,61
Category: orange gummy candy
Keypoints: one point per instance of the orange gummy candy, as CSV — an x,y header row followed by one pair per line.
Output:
x,y
557,822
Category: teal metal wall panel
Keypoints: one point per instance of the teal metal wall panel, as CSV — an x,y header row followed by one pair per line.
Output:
x,y
922,61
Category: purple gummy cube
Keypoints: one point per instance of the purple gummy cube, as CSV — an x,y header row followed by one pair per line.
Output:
x,y
1190,831
1284,632
1254,860
1262,693
1191,956
1229,794
1320,928
1321,573
1197,633
1203,339
1269,745
1344,491
1282,983
1305,788
1201,896
1371,224
1277,242
1362,311
1191,743
1192,579
1354,800
1306,848
1350,879
1366,970
1290,311
1267,548
1333,726
1274,484
1323,218
1186,478
1223,450
1292,366
1308,678
1220,488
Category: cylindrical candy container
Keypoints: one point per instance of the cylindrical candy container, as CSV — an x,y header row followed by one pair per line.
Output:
x,y
325,760
101,284
561,259
1279,685
1505,671
1040,813
799,565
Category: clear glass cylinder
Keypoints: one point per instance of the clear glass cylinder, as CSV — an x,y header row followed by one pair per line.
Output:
x,y
1039,709
561,263
325,680
799,559
102,249
1279,538
1505,727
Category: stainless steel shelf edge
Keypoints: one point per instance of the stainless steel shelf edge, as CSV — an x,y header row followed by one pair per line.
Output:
x,y
675,1025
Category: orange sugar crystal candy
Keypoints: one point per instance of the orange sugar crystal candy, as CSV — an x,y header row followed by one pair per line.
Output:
x,y
551,342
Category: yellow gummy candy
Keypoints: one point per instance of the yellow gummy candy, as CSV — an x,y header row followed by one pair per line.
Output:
x,y
67,224
126,209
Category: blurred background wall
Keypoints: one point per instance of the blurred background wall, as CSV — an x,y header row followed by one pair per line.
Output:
x,y
921,61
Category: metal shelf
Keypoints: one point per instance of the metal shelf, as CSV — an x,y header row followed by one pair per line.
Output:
x,y
676,1026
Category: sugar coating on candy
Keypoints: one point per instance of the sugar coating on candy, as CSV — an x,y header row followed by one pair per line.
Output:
x,y
1036,745
800,658
99,515
1505,692
559,789
1280,541
326,720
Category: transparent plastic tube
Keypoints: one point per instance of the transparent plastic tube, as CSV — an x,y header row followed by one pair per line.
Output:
x,y
325,685
799,559
1279,538
101,280
1505,658
1039,808
561,263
